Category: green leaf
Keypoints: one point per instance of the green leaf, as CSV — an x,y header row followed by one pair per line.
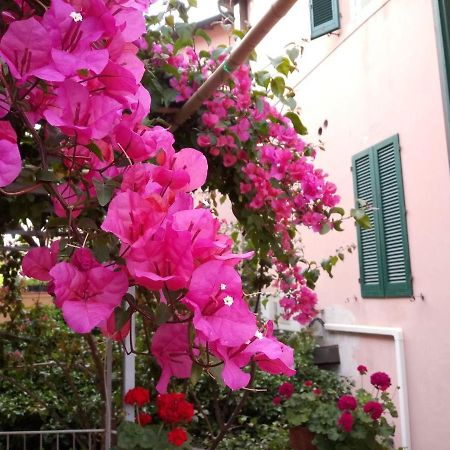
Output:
x,y
337,225
196,373
297,124
285,67
104,191
361,218
278,86
171,70
162,313
94,148
47,175
293,53
202,33
337,210
262,78
192,3
170,21
325,228
181,43
129,435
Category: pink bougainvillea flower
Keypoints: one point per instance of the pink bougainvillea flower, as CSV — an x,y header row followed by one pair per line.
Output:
x,y
194,163
78,113
272,356
269,354
220,313
131,216
109,328
26,48
170,347
38,262
72,37
10,162
71,198
86,291
4,106
164,259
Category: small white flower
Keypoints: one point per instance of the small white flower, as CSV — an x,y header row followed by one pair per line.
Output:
x,y
258,334
228,300
77,17
223,286
278,165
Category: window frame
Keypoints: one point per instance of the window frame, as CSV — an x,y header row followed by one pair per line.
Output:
x,y
326,27
385,288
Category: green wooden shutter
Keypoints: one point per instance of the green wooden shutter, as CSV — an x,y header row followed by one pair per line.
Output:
x,y
392,215
371,279
324,17
385,269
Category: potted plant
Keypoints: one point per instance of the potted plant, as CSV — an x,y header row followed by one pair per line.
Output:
x,y
322,420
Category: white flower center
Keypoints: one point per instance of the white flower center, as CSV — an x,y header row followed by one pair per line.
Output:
x,y
228,300
223,286
77,17
205,204
258,334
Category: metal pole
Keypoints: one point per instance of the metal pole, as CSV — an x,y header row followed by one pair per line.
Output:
x,y
108,392
129,365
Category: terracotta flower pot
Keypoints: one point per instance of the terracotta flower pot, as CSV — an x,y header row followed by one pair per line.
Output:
x,y
301,438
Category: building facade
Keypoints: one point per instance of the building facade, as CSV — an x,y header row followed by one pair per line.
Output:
x,y
373,87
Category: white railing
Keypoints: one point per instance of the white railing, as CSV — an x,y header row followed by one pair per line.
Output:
x,y
16,437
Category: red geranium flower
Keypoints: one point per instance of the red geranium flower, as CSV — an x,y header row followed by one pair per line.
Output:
x,y
317,391
177,436
347,403
308,383
380,380
173,408
144,419
277,400
138,395
286,390
375,409
362,369
346,421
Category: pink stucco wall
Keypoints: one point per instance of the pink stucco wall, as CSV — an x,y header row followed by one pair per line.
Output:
x,y
380,77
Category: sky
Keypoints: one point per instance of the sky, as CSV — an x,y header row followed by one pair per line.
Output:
x,y
205,9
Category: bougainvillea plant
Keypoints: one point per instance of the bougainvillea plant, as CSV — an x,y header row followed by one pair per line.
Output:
x,y
87,162
74,86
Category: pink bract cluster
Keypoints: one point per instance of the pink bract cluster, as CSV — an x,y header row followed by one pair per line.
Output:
x,y
279,175
76,72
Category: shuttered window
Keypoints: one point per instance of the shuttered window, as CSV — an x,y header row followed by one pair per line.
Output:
x,y
324,17
383,249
